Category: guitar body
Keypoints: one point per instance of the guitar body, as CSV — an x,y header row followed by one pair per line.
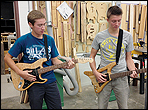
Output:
x,y
37,69
99,86
22,84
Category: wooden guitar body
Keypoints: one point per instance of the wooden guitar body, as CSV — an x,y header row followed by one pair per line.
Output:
x,y
19,83
99,86
37,69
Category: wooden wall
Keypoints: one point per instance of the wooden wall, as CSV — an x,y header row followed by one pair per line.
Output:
x,y
88,19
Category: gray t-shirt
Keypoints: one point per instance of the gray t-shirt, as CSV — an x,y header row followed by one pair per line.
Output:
x,y
108,44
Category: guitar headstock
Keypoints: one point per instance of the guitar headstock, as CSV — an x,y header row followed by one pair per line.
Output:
x,y
85,60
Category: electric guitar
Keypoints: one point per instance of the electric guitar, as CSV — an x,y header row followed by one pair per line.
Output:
x,y
98,87
37,69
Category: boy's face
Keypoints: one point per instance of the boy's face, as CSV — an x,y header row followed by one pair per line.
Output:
x,y
39,26
114,21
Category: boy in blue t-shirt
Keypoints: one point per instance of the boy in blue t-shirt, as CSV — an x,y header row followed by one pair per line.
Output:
x,y
33,48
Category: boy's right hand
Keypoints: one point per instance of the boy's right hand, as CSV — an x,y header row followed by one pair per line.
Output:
x,y
25,74
100,77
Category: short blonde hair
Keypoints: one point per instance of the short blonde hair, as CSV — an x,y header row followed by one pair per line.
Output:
x,y
33,15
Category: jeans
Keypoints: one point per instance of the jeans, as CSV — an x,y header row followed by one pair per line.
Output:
x,y
121,89
49,92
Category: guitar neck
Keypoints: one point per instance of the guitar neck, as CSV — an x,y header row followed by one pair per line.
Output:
x,y
53,67
116,75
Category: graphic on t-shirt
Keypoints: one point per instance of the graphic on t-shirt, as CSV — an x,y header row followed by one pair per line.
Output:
x,y
108,48
37,52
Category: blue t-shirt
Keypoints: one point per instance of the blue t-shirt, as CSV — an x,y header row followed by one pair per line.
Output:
x,y
34,49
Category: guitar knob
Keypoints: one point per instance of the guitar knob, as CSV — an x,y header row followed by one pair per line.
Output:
x,y
95,86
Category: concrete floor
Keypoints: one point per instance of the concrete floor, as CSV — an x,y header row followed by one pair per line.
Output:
x,y
10,98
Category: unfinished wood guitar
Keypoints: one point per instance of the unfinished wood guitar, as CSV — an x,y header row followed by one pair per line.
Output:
x,y
101,10
98,87
91,30
91,11
37,69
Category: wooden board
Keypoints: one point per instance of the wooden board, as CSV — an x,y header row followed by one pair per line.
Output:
x,y
26,98
87,49
123,21
131,19
22,96
83,22
72,41
83,47
136,20
59,20
145,39
77,70
54,19
78,17
142,21
134,24
54,13
66,44
71,29
69,38
127,16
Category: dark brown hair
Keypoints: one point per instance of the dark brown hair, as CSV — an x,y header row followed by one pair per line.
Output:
x,y
114,10
33,15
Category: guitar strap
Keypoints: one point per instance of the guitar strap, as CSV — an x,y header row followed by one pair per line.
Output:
x,y
46,48
119,44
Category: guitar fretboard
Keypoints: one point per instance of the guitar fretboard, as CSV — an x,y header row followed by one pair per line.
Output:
x,y
53,67
116,75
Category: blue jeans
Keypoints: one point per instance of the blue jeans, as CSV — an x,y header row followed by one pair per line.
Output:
x,y
49,92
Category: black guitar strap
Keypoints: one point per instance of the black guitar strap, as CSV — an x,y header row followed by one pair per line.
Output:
x,y
46,48
119,44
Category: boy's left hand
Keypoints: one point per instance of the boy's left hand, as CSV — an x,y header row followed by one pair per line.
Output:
x,y
134,74
71,64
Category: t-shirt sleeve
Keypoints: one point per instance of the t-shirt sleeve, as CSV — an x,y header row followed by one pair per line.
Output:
x,y
95,43
16,49
130,45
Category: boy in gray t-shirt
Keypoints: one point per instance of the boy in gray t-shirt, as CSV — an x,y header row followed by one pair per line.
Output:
x,y
107,44
106,41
